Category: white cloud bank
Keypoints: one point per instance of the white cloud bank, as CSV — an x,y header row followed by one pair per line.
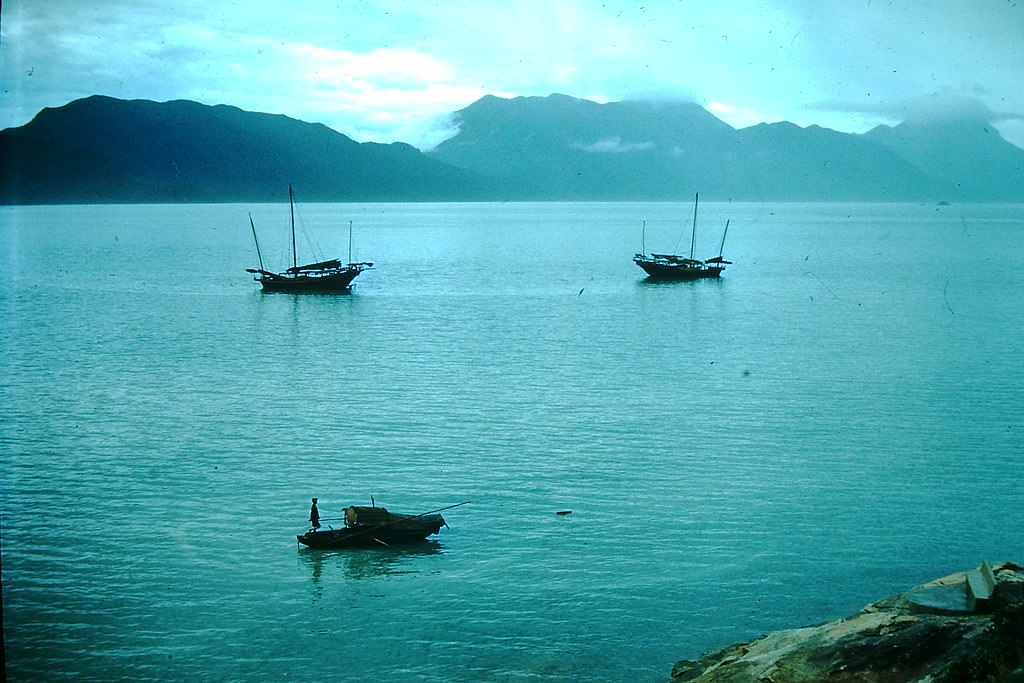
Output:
x,y
389,70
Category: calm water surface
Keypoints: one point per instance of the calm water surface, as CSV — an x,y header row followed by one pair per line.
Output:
x,y
837,419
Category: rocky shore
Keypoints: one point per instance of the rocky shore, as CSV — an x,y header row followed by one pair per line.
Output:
x,y
968,626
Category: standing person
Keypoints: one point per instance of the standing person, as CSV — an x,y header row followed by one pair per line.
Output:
x,y
314,516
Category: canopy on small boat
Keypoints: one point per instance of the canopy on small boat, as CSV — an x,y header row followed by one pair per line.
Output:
x,y
377,517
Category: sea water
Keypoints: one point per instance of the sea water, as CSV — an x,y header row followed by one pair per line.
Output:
x,y
838,418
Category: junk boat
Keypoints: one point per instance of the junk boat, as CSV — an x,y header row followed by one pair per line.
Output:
x,y
325,276
675,267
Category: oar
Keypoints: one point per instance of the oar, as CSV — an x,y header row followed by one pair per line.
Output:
x,y
423,514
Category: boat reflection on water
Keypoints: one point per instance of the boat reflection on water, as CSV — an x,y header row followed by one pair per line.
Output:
x,y
366,563
668,283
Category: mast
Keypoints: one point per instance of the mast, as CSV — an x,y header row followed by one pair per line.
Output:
x,y
721,247
350,242
258,254
291,206
693,233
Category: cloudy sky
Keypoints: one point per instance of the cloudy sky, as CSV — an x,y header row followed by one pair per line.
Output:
x,y
387,70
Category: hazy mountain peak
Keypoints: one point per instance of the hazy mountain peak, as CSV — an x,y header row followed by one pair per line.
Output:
x,y
945,108
572,148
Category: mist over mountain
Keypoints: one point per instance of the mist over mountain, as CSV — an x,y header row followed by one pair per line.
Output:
x,y
968,154
560,147
557,148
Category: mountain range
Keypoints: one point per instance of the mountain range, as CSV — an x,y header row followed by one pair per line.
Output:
x,y
557,148
577,149
101,149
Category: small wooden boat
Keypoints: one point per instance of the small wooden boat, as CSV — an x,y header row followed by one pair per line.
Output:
x,y
369,527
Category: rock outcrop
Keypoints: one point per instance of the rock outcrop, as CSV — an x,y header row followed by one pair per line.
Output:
x,y
937,633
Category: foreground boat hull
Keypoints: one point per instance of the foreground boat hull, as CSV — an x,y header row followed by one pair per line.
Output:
x,y
412,530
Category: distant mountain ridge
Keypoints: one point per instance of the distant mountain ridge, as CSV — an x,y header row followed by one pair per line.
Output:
x,y
101,149
555,148
970,155
577,149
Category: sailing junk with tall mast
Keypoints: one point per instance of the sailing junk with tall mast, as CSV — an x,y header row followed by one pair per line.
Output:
x,y
675,267
325,276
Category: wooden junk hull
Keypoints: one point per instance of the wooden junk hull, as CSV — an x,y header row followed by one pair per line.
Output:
x,y
374,528
675,271
340,281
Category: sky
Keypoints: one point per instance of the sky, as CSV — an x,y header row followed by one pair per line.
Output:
x,y
394,70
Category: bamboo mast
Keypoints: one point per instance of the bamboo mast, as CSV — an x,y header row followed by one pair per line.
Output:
x,y
291,206
721,247
693,233
254,239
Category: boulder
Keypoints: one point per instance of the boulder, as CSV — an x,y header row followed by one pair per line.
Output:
x,y
901,638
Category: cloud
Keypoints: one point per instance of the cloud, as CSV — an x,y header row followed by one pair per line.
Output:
x,y
614,145
429,133
380,69
941,107
658,94
934,107
738,117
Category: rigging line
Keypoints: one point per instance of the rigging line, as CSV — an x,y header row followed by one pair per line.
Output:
x,y
823,285
692,218
316,254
